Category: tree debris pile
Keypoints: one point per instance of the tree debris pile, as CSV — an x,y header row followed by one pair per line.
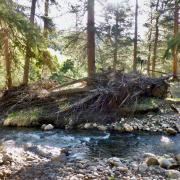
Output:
x,y
113,90
109,92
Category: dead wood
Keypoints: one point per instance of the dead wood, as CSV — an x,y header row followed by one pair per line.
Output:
x,y
69,92
109,92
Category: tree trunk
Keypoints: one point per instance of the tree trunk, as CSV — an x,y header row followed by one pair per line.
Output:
x,y
150,44
135,38
46,14
91,39
8,61
155,40
176,30
28,48
116,45
45,33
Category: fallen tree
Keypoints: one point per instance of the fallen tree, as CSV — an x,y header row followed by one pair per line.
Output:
x,y
109,92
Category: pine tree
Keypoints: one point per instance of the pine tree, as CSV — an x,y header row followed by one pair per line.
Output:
x,y
91,39
156,38
176,30
28,48
135,38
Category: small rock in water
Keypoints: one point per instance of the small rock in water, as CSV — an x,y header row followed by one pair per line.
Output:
x,y
173,174
49,127
171,131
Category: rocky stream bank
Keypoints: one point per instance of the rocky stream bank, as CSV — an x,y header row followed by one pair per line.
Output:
x,y
45,154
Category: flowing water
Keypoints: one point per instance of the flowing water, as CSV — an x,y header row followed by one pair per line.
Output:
x,y
85,144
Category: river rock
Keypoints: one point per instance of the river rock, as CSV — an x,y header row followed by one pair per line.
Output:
x,y
152,161
178,126
94,125
167,163
171,131
49,127
7,158
43,126
122,169
173,174
178,158
87,126
102,128
1,159
142,167
118,127
128,128
114,161
74,178
65,151
147,155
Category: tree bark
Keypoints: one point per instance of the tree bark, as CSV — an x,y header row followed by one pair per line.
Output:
x,y
176,30
116,45
45,33
8,61
150,44
28,48
155,40
91,39
135,38
46,14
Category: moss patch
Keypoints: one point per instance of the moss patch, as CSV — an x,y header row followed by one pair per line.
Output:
x,y
146,105
24,118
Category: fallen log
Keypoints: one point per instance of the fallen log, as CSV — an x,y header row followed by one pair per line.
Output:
x,y
69,92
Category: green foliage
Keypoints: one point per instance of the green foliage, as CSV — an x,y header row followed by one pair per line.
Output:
x,y
171,44
66,70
